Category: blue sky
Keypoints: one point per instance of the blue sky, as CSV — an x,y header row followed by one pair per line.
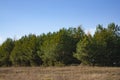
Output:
x,y
20,17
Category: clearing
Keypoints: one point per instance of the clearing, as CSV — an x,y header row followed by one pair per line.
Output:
x,y
60,73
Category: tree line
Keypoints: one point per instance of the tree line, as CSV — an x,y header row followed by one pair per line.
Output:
x,y
64,47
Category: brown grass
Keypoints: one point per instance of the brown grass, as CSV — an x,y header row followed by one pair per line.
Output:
x,y
60,73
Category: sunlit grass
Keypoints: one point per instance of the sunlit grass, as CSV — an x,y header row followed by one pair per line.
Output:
x,y
60,73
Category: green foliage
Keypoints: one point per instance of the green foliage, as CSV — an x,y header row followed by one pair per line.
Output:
x,y
24,52
59,47
65,47
5,51
101,49
83,51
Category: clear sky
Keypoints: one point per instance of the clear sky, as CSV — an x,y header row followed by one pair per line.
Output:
x,y
20,17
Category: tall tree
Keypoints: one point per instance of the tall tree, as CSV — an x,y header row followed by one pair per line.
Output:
x,y
102,49
59,47
5,51
83,51
25,52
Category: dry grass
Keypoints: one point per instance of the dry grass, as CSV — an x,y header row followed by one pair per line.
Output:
x,y
60,73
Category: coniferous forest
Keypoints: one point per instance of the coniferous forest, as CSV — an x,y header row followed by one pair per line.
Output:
x,y
64,47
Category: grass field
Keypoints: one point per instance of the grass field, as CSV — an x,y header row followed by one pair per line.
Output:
x,y
60,73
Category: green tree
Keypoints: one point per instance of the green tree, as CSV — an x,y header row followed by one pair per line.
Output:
x,y
83,51
102,49
58,47
25,52
5,51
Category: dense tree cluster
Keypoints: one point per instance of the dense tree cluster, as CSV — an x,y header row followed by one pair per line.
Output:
x,y
65,47
101,49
